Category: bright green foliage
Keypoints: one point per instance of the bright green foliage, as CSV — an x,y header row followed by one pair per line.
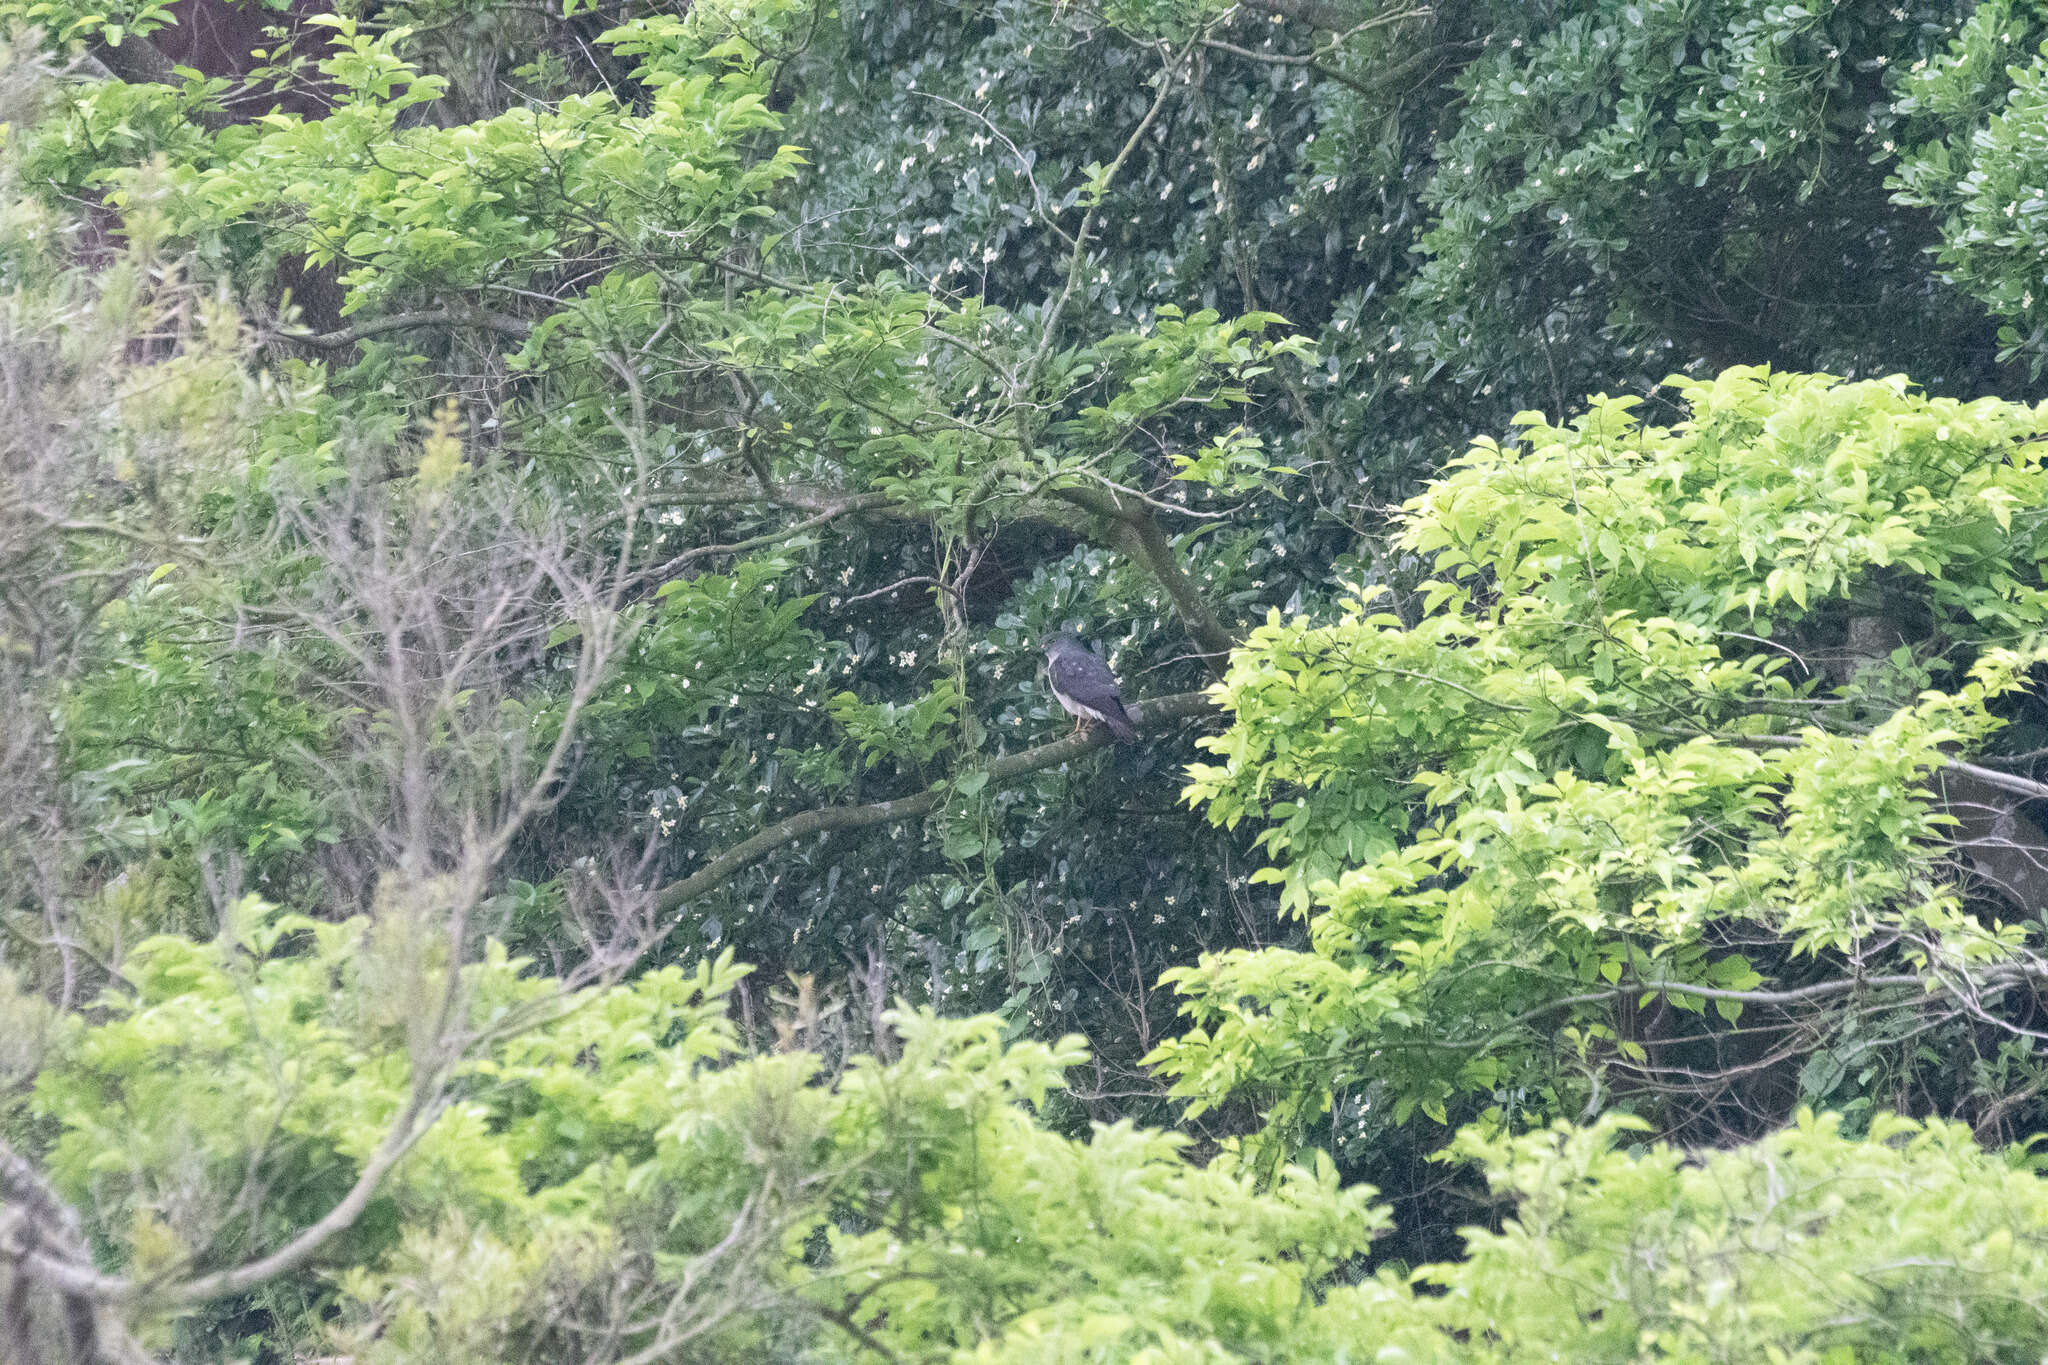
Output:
x,y
229,730
609,1165
605,279
111,22
499,201
1636,739
605,1150
276,1059
1910,1245
807,258
107,128
1034,1247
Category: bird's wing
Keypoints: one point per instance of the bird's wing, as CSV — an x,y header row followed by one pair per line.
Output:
x,y
1087,680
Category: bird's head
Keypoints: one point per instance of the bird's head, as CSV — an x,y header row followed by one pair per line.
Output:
x,y
1062,640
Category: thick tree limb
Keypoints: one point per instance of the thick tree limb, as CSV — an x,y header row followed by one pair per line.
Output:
x,y
1149,714
1129,524
501,323
822,501
2024,787
1798,995
1146,541
1135,531
36,1222
138,61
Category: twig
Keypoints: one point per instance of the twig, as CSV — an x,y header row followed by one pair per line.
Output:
x,y
762,541
1178,509
1313,61
920,580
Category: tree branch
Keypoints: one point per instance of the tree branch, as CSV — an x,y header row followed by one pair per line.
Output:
x,y
1314,61
67,1276
45,1224
2023,787
1149,715
138,61
1329,15
502,323
844,507
1819,990
1137,533
1078,257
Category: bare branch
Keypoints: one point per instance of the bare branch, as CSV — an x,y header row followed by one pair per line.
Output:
x,y
1078,257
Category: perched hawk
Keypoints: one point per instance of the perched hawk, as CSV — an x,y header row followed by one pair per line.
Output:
x,y
1084,685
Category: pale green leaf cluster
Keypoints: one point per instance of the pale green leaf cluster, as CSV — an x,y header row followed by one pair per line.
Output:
x,y
606,1153
1628,743
1912,1244
498,202
612,1177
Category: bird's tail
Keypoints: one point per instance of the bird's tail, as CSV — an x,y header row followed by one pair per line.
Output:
x,y
1122,724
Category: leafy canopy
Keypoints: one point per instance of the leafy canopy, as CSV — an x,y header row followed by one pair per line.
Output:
x,y
1671,721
